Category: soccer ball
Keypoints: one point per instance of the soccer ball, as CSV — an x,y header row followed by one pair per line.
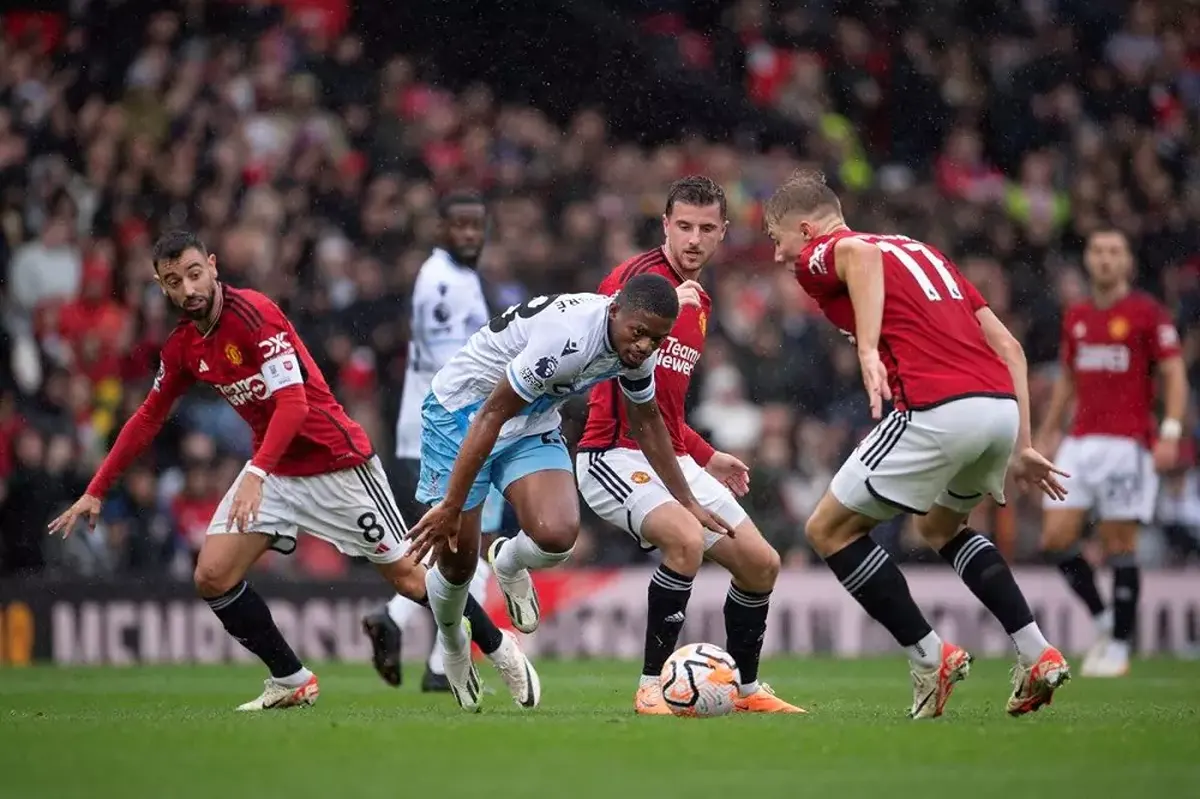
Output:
x,y
700,680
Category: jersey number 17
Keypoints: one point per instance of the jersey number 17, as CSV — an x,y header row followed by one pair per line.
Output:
x,y
904,254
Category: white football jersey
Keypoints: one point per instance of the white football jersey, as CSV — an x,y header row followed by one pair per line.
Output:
x,y
448,305
548,348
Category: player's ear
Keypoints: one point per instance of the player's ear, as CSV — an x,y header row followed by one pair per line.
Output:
x,y
724,230
212,261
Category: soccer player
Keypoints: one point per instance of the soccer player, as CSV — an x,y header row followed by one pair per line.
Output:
x,y
957,379
492,419
313,469
448,305
1111,348
618,483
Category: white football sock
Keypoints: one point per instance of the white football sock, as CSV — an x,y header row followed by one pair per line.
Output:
x,y
400,609
479,583
648,679
748,689
521,553
295,680
447,601
437,657
927,653
1030,643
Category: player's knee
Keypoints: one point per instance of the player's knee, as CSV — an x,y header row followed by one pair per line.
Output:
x,y
406,577
683,551
1058,534
555,532
456,569
759,568
212,580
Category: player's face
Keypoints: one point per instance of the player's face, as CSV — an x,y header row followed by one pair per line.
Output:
x,y
1108,259
791,235
190,283
693,234
637,334
465,229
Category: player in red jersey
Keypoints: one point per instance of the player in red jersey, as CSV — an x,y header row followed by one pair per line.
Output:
x,y
313,468
618,483
1112,345
957,378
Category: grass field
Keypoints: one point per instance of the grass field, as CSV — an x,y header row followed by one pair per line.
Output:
x,y
171,732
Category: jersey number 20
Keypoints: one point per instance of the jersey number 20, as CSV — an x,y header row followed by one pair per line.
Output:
x,y
904,254
525,310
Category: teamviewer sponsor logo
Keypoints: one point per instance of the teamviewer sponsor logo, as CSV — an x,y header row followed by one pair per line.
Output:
x,y
249,389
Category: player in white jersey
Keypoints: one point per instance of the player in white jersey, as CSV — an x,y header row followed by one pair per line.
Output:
x,y
492,419
448,306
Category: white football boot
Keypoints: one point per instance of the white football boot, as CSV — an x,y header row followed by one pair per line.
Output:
x,y
520,598
277,696
517,672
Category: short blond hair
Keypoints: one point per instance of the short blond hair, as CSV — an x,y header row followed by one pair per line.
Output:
x,y
805,192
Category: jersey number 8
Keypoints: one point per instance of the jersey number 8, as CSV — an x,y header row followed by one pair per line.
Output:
x,y
525,310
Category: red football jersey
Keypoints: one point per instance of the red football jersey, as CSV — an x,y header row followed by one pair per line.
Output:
x,y
1111,353
931,341
252,352
607,426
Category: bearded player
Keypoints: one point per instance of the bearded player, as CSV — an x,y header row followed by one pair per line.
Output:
x,y
618,483
313,469
1112,347
957,378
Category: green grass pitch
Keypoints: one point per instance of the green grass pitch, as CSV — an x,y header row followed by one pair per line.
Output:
x,y
171,733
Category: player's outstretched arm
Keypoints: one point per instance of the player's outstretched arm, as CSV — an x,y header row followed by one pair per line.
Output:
x,y
136,434
647,427
440,525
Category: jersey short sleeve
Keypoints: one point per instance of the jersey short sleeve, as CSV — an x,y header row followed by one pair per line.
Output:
x,y
638,384
1164,338
971,294
270,345
546,356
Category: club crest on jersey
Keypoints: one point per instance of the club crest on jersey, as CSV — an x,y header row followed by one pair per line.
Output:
x,y
233,355
641,478
703,323
1080,330
1118,327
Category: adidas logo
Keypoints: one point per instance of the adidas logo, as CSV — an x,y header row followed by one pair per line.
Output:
x,y
203,366
571,347
675,618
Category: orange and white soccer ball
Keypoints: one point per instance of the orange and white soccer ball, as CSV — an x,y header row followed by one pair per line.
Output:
x,y
700,680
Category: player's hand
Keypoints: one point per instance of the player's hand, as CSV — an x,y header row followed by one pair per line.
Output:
x,y
437,530
688,293
1166,454
875,381
86,507
710,521
1031,469
734,474
243,512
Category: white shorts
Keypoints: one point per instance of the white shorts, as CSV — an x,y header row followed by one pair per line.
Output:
x,y
353,509
1112,475
621,488
950,455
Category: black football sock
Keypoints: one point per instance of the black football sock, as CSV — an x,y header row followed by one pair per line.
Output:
x,y
745,626
870,576
484,631
666,605
984,570
1082,579
248,619
1127,585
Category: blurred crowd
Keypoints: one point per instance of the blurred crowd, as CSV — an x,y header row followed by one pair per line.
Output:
x,y
1002,135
